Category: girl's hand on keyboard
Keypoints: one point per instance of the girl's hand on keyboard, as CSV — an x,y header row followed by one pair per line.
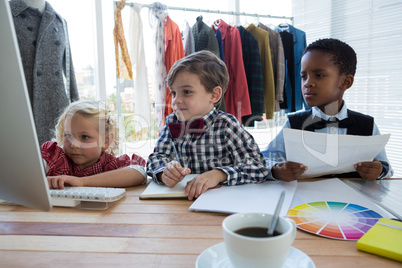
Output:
x,y
58,182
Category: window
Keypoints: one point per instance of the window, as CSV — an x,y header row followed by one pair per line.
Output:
x,y
81,38
93,55
140,138
371,28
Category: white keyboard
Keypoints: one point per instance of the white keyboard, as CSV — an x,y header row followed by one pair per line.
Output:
x,y
75,196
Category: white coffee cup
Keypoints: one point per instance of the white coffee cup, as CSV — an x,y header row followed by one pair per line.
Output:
x,y
268,252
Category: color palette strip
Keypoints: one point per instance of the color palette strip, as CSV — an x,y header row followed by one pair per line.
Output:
x,y
336,220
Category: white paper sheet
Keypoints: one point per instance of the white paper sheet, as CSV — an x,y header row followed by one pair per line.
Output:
x,y
256,197
385,193
333,190
325,154
155,190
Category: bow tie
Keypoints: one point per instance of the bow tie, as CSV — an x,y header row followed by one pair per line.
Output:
x,y
180,129
345,123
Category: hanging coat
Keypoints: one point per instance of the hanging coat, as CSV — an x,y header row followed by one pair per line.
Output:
x,y
299,45
237,98
262,37
42,44
278,63
137,54
204,37
188,40
174,51
253,68
157,19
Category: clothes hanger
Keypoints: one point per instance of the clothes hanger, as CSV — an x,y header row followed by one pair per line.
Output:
x,y
258,19
185,21
246,23
270,25
209,20
185,16
217,23
283,26
199,22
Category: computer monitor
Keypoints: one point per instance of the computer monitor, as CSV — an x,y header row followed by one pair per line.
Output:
x,y
22,176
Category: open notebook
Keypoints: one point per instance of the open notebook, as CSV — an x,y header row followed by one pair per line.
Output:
x,y
156,191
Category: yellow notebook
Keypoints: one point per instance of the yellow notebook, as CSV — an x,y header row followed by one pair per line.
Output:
x,y
384,239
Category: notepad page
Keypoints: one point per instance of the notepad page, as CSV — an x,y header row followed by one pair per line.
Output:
x,y
155,190
253,197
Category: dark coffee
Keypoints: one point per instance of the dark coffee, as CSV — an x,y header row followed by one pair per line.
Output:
x,y
255,232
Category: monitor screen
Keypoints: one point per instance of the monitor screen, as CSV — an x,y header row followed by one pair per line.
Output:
x,y
22,176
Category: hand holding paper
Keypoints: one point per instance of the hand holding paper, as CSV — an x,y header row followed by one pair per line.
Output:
x,y
325,154
288,171
369,170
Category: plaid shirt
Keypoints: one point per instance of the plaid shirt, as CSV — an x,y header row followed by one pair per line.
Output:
x,y
224,144
59,164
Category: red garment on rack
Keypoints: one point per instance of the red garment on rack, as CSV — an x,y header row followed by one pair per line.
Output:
x,y
237,99
173,51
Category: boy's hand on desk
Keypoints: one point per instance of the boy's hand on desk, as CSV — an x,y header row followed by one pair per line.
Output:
x,y
203,182
174,173
288,171
369,170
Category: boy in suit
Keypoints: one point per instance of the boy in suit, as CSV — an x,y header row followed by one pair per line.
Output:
x,y
327,70
209,142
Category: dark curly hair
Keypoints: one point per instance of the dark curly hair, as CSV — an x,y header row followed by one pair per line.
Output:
x,y
342,55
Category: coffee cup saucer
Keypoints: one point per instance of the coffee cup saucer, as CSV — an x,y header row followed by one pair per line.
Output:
x,y
216,256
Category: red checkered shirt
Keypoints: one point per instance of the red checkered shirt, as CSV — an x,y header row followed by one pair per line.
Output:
x,y
60,164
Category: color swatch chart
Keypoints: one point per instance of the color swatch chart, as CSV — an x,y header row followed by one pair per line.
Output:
x,y
336,220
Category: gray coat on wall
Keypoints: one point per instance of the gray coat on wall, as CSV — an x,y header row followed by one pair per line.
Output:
x,y
42,44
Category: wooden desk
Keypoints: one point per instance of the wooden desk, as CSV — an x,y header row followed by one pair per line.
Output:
x,y
135,233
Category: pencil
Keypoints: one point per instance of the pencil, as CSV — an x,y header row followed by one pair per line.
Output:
x,y
175,151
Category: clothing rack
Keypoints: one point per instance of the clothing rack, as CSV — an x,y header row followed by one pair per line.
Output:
x,y
233,13
280,117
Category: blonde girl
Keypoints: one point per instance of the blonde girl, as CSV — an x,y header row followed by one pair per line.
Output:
x,y
84,153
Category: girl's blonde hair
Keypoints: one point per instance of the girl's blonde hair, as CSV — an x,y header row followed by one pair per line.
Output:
x,y
97,111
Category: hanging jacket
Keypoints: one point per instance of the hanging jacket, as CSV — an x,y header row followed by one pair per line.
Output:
x,y
42,43
237,98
